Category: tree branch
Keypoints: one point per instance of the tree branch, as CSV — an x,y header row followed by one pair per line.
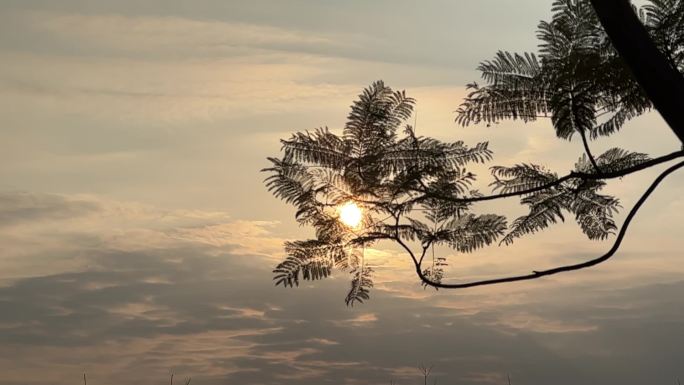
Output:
x,y
556,270
571,175
397,238
585,143
663,84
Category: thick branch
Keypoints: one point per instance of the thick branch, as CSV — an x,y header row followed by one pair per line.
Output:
x,y
579,266
663,83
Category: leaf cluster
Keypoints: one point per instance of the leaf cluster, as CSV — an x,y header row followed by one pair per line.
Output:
x,y
416,190
593,211
576,79
379,163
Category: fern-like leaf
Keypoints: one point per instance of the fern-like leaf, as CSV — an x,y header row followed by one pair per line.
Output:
x,y
512,70
520,177
472,232
361,284
545,209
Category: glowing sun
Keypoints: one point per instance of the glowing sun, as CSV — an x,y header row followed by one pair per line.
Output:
x,y
350,214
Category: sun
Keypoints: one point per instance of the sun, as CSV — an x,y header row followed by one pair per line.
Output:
x,y
350,214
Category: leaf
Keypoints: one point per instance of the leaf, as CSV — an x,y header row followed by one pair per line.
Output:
x,y
545,209
573,107
434,274
360,286
290,181
613,160
493,103
375,117
520,177
320,147
472,232
594,214
287,272
512,70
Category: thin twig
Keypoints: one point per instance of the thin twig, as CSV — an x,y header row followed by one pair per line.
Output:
x,y
572,175
585,143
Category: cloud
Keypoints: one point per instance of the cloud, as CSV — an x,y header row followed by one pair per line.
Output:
x,y
147,34
51,232
197,298
23,207
353,34
533,323
361,320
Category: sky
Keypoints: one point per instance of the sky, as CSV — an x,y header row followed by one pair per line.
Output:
x,y
138,239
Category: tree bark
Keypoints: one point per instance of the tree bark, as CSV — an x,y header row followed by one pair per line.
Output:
x,y
663,84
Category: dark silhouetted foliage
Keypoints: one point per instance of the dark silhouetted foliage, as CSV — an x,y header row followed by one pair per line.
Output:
x,y
415,190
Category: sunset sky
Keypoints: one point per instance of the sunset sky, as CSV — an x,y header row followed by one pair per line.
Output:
x,y
137,238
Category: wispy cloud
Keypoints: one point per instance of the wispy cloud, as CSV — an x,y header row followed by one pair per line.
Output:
x,y
202,304
168,36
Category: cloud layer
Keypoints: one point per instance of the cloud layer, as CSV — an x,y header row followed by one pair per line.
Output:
x,y
129,292
137,239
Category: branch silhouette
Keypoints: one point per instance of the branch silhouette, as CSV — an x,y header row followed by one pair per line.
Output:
x,y
659,77
566,268
584,176
572,175
412,188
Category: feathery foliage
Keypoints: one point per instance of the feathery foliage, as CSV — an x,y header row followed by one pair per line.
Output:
x,y
577,78
414,190
593,211
389,172
417,191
